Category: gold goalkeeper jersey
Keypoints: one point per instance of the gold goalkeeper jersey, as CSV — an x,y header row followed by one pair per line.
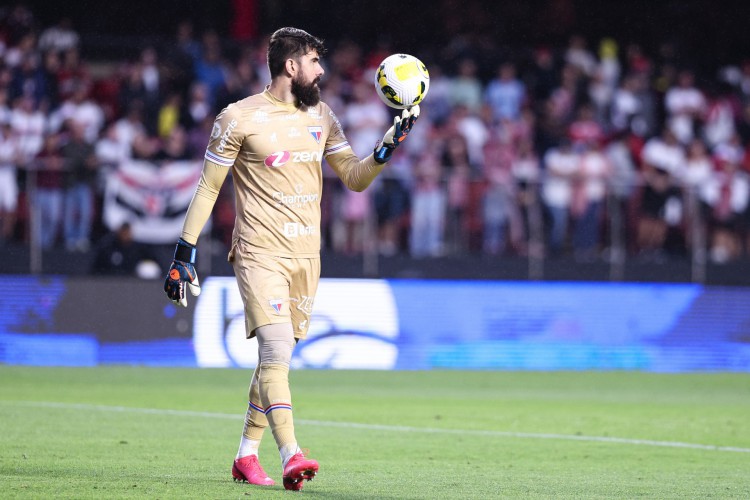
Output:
x,y
275,151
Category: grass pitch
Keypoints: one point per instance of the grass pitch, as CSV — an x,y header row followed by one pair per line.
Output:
x,y
132,432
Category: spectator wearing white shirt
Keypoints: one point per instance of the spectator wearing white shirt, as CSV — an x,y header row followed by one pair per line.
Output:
x,y
594,175
562,164
29,125
726,198
82,110
685,104
9,155
660,204
59,37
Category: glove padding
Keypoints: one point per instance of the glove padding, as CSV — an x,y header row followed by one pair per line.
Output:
x,y
182,272
396,134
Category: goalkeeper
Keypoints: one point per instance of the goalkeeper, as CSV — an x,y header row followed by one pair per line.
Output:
x,y
274,143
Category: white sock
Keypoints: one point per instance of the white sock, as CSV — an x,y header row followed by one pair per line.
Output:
x,y
248,447
288,451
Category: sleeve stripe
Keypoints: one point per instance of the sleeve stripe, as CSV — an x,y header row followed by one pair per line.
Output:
x,y
337,148
224,162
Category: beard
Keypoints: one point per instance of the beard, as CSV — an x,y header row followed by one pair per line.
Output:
x,y
307,94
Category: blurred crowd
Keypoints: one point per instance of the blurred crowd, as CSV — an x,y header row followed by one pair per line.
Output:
x,y
555,150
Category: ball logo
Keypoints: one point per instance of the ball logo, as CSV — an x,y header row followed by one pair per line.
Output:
x,y
277,159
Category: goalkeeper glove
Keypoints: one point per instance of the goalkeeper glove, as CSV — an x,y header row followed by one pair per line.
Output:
x,y
396,134
182,272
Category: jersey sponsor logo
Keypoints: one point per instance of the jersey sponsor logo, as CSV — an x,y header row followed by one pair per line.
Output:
x,y
293,132
305,304
274,138
307,156
336,121
279,158
216,131
225,136
313,113
260,117
295,229
295,200
316,132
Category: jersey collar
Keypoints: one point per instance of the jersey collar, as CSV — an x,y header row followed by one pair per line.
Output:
x,y
277,102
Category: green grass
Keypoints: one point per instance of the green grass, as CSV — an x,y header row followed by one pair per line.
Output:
x,y
89,445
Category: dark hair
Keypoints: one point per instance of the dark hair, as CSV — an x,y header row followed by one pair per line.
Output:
x,y
290,42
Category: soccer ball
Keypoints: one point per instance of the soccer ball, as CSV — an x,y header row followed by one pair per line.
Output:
x,y
402,81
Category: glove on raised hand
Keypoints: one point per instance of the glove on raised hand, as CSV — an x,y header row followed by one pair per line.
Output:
x,y
396,134
182,272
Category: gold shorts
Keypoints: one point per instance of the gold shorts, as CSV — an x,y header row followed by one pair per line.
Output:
x,y
276,289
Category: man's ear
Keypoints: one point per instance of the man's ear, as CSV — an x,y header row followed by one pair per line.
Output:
x,y
291,66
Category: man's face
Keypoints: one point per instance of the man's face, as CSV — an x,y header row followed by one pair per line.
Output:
x,y
305,82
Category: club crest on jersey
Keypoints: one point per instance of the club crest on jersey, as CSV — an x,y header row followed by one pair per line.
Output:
x,y
316,132
276,304
277,159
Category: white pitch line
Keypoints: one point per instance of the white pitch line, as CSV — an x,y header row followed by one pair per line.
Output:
x,y
389,428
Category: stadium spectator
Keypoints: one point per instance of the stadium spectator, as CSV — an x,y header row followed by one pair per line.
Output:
x,y
48,168
241,80
29,124
497,210
698,171
726,195
428,208
660,206
441,104
685,105
199,105
116,253
722,113
595,173
109,151
466,88
211,67
80,108
71,72
457,171
391,203
561,168
130,125
524,212
170,115
59,37
174,147
578,55
30,79
10,154
364,118
21,51
585,129
505,94
80,177
140,84
543,76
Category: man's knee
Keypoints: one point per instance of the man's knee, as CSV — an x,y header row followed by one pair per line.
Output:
x,y
276,343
